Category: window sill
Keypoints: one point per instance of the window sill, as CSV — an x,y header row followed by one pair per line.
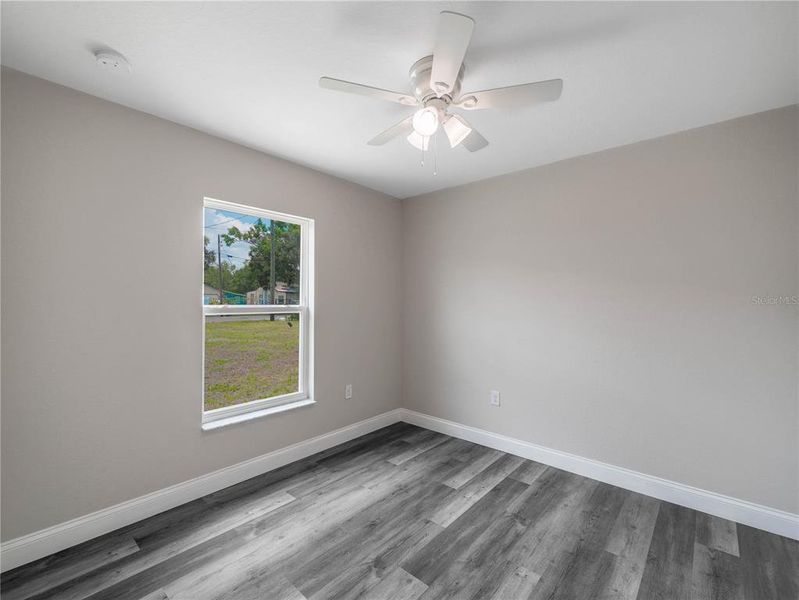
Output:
x,y
256,414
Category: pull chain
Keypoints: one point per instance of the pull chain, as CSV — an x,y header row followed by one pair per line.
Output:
x,y
425,143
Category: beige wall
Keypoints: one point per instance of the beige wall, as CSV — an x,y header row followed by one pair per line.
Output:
x,y
101,321
609,299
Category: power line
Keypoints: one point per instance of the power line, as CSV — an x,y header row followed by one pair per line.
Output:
x,y
220,223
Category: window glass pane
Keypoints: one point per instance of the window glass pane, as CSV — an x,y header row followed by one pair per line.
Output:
x,y
250,357
249,259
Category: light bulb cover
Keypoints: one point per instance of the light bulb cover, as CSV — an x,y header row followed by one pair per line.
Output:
x,y
456,129
425,121
419,141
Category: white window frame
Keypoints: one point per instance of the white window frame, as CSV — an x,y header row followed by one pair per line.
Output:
x,y
218,417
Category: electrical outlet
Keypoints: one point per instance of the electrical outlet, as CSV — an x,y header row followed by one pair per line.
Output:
x,y
348,392
493,399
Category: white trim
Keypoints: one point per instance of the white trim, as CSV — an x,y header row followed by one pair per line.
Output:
x,y
44,542
249,415
254,211
211,310
254,406
741,511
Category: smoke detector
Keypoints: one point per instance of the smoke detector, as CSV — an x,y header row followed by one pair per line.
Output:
x,y
113,61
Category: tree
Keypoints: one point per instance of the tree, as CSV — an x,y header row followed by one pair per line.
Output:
x,y
259,237
210,255
243,280
229,271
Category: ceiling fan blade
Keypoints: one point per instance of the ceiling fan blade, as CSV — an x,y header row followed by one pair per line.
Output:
x,y
452,40
473,141
340,85
404,127
513,96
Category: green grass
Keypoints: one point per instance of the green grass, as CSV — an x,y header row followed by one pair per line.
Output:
x,y
250,360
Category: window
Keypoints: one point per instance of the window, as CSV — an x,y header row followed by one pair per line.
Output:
x,y
257,300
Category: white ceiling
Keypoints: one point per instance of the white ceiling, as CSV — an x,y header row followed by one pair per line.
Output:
x,y
248,72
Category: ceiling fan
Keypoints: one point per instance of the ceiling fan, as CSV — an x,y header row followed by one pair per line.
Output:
x,y
436,84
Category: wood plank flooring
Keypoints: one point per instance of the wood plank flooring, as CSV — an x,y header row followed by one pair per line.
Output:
x,y
409,514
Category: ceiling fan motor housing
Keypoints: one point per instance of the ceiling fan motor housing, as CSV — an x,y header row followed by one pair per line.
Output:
x,y
425,90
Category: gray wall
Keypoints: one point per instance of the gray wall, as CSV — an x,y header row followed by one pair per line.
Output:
x,y
609,299
101,320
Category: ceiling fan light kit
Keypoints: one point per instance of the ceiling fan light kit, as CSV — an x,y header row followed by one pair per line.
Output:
x,y
436,83
456,129
426,120
418,141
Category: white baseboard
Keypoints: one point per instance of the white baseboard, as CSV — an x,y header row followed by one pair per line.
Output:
x,y
741,511
39,544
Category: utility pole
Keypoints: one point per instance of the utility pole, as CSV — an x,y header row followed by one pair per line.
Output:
x,y
219,264
272,265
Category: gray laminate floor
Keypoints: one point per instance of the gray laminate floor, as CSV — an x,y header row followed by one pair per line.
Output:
x,y
406,513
